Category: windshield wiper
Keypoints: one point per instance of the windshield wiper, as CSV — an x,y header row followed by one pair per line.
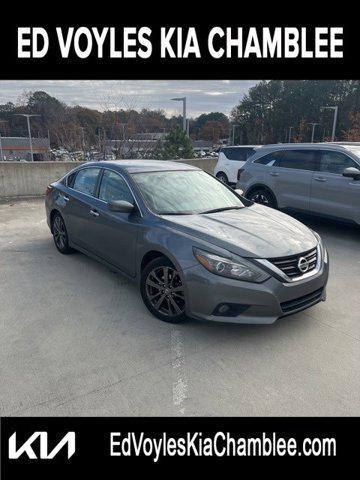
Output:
x,y
175,213
235,207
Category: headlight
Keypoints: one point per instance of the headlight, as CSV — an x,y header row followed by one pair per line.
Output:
x,y
240,269
323,251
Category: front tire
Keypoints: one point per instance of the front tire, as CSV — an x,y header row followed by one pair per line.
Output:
x,y
162,291
263,197
60,235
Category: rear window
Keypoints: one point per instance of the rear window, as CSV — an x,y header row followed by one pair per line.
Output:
x,y
240,154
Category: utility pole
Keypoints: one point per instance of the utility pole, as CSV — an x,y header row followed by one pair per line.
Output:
x,y
336,108
28,116
233,133
182,99
313,124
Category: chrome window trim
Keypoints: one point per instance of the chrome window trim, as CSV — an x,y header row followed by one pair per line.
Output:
x,y
299,278
112,170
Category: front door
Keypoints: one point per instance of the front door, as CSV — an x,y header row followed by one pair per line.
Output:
x,y
114,234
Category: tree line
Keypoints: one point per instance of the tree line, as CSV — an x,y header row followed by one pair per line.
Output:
x,y
275,110
79,128
272,111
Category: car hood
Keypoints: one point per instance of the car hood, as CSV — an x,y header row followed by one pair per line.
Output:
x,y
255,231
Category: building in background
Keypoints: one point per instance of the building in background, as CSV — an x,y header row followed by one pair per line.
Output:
x,y
202,145
18,148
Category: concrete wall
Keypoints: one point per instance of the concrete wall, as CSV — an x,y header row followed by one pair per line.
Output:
x,y
25,179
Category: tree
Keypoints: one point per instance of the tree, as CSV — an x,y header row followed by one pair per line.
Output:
x,y
271,107
352,134
175,145
200,127
213,130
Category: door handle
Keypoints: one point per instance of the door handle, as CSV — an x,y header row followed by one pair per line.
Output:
x,y
320,179
65,198
94,213
274,174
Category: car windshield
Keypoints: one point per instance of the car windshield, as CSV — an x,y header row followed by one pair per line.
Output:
x,y
185,192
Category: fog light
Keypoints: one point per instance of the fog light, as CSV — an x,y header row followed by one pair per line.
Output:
x,y
223,309
230,309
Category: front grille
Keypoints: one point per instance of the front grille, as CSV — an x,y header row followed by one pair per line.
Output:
x,y
302,302
290,265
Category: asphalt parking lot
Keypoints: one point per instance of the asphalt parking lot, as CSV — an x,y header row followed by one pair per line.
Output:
x,y
76,339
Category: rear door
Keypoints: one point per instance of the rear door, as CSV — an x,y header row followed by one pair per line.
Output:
x,y
80,199
290,176
331,193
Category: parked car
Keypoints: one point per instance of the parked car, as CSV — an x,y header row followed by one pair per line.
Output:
x,y
230,160
194,245
322,179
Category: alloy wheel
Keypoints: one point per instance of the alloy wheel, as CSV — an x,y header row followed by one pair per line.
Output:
x,y
59,232
260,198
165,291
223,178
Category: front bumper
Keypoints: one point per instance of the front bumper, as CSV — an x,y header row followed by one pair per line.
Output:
x,y
260,303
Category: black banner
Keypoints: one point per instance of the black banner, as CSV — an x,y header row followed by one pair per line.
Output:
x,y
116,47
40,447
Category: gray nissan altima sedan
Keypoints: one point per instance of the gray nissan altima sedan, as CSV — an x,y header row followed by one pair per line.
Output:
x,y
196,247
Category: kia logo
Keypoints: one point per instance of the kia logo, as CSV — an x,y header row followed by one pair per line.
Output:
x,y
44,454
303,265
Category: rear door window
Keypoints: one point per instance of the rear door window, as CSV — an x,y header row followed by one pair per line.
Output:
x,y
239,154
299,160
295,159
86,181
335,162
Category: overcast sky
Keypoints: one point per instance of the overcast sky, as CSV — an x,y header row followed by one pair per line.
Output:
x,y
202,95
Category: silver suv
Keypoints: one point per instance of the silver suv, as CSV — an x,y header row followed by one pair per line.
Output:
x,y
322,178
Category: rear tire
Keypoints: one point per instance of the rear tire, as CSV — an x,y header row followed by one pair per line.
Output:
x,y
263,197
222,177
162,291
60,235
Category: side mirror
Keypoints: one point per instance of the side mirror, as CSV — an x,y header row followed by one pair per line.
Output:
x,y
352,172
121,206
239,192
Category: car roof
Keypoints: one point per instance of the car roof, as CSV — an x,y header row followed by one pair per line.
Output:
x,y
315,146
241,146
137,166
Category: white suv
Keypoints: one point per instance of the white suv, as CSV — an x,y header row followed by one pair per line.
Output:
x,y
230,160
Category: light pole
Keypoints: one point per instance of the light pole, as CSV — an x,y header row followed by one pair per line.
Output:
x,y
336,108
290,130
28,116
182,99
313,124
1,147
233,133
